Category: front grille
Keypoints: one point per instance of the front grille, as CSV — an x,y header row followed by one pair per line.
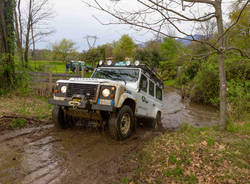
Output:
x,y
82,89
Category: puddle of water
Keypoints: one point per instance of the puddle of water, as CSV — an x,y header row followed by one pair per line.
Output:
x,y
176,112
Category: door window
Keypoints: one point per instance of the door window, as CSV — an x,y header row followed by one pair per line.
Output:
x,y
144,83
158,93
151,88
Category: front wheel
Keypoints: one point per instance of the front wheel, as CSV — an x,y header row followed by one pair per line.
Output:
x,y
58,117
121,123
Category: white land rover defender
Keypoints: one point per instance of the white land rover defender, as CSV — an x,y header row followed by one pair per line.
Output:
x,y
116,96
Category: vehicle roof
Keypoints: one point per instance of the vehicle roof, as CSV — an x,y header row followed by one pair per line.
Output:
x,y
143,67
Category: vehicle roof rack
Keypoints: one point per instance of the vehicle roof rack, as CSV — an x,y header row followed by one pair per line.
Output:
x,y
145,68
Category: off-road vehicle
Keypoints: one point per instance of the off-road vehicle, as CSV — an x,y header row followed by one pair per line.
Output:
x,y
116,95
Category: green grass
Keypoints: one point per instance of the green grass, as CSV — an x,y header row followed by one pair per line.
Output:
x,y
18,123
172,83
192,155
54,66
25,105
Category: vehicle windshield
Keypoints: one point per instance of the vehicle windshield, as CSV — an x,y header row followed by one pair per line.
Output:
x,y
128,75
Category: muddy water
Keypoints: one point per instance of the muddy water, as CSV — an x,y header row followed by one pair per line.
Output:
x,y
44,155
178,111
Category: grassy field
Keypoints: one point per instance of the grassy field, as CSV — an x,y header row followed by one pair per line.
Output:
x,y
54,66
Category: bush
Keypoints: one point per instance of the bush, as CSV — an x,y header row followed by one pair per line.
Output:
x,y
168,70
204,87
201,83
18,123
238,99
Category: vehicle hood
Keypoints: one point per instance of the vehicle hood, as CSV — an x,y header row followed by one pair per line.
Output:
x,y
128,85
86,80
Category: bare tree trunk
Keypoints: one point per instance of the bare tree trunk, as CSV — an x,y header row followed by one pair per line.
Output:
x,y
34,44
222,73
27,39
18,30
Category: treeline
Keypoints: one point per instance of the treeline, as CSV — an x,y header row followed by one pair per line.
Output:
x,y
199,77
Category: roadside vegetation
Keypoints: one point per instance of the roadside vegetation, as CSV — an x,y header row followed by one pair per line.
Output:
x,y
192,155
23,108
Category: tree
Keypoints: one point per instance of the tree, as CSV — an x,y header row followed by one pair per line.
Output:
x,y
63,49
31,25
93,56
7,39
238,36
169,49
123,48
161,16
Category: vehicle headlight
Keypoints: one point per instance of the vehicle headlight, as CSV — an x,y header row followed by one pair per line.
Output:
x,y
63,89
106,92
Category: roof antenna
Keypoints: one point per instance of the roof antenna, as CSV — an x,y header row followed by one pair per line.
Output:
x,y
182,4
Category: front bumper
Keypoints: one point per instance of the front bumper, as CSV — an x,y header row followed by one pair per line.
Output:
x,y
82,105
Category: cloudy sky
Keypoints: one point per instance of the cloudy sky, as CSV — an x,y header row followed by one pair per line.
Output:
x,y
74,20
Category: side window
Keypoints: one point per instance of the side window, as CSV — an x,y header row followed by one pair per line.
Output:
x,y
151,88
158,93
144,83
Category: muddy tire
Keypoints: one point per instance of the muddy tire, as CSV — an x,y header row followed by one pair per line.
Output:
x,y
155,123
121,124
59,118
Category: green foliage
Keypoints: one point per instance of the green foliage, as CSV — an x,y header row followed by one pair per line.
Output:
x,y
7,46
18,123
168,70
239,34
94,55
123,48
238,99
62,49
201,81
171,57
147,56
243,128
205,85
170,49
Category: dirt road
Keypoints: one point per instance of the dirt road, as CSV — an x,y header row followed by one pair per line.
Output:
x,y
43,154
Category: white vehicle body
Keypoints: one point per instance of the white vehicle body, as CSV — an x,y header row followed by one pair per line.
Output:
x,y
136,89
146,105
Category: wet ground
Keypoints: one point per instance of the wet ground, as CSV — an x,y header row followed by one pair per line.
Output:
x,y
45,155
178,111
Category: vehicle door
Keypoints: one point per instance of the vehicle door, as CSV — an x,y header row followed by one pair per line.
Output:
x,y
142,97
151,99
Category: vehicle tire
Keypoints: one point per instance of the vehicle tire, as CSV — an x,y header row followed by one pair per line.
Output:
x,y
59,118
155,123
121,124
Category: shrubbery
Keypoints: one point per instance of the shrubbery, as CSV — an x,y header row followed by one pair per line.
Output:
x,y
201,84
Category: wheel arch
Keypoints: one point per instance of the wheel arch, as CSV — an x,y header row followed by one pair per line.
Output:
x,y
127,99
131,103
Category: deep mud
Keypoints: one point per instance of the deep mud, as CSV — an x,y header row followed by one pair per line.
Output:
x,y
42,154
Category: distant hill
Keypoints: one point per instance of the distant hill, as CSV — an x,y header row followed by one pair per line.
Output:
x,y
187,42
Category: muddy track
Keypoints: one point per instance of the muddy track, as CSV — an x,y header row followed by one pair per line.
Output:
x,y
41,154
45,155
